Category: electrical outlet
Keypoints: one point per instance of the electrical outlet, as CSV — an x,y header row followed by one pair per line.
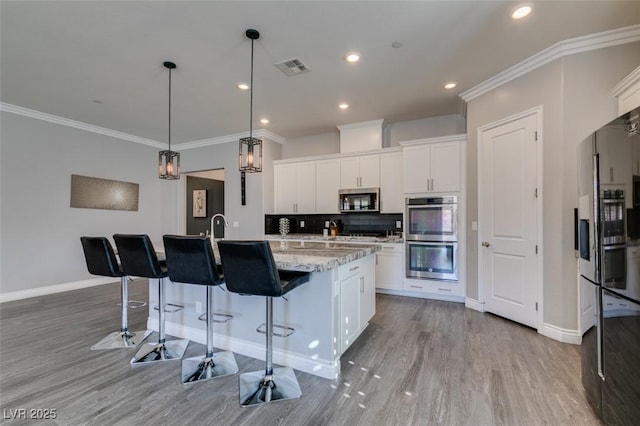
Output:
x,y
398,224
236,224
326,224
302,224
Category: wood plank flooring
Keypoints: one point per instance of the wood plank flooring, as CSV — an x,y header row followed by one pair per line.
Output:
x,y
420,362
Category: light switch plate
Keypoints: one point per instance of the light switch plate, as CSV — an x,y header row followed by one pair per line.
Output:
x,y
236,224
398,224
326,224
302,224
474,226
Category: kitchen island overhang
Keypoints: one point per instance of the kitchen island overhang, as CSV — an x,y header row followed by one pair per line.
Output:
x,y
328,313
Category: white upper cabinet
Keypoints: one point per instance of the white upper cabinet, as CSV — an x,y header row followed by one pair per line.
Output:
x,y
295,187
327,185
432,167
391,193
360,172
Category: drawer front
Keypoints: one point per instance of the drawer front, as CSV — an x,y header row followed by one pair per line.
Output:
x,y
351,268
434,287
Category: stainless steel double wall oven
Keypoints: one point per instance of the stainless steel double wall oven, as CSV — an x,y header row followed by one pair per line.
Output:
x,y
432,238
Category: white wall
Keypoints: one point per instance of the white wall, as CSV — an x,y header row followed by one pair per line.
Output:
x,y
574,93
40,242
40,232
432,127
393,133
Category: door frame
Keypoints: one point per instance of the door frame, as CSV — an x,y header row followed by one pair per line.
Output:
x,y
538,113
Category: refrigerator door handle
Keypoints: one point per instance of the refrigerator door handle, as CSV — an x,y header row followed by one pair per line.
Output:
x,y
597,238
599,333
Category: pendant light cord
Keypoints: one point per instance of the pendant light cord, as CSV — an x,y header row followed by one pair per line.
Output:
x,y
169,109
251,96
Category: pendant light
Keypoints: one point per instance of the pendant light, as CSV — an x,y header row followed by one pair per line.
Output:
x,y
250,155
169,161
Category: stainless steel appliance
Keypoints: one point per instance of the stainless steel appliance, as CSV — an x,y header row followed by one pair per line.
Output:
x,y
359,200
432,260
611,342
431,235
432,219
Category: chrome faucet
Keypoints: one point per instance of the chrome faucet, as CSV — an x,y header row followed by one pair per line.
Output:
x,y
226,224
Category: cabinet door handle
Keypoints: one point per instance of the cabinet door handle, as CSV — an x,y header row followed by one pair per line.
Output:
x,y
444,289
354,268
611,173
361,284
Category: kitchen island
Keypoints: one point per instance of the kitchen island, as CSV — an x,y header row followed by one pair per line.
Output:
x,y
328,313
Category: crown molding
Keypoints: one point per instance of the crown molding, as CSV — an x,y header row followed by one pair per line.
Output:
x,y
559,50
451,138
260,133
626,83
26,112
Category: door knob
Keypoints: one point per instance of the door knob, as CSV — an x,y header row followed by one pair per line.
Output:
x,y
485,244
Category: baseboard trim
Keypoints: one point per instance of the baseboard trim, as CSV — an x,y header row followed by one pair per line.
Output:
x,y
474,304
563,335
51,289
318,367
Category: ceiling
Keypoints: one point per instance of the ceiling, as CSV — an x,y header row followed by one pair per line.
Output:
x,y
100,62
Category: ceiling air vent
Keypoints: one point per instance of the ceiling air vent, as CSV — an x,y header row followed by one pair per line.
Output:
x,y
292,66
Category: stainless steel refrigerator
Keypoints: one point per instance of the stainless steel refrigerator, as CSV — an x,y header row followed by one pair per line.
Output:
x,y
608,229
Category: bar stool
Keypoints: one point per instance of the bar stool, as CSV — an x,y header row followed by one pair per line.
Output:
x,y
101,260
249,269
138,258
190,260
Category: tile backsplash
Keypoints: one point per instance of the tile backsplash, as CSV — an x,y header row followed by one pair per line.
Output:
x,y
352,223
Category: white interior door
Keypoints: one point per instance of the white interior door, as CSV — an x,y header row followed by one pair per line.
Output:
x,y
508,221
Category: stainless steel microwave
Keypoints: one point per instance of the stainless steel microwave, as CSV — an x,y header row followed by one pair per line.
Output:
x,y
359,200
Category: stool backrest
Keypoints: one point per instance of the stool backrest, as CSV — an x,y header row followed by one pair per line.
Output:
x,y
100,258
190,259
249,268
138,257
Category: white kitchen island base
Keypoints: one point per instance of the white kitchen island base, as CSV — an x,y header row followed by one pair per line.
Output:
x,y
328,313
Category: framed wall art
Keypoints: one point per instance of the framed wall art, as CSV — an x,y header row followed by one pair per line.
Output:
x,y
200,203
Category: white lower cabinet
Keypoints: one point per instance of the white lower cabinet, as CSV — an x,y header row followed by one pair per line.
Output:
x,y
390,267
357,299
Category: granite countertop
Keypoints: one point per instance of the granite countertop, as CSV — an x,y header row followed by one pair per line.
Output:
x,y
339,238
312,256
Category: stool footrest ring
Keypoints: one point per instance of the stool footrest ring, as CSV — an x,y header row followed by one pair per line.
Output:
x,y
222,318
287,331
170,307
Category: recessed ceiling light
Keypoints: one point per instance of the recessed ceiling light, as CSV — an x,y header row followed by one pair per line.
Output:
x,y
264,120
243,86
396,45
521,12
352,57
343,106
96,101
450,85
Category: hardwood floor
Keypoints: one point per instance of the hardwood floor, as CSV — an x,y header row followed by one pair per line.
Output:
x,y
419,362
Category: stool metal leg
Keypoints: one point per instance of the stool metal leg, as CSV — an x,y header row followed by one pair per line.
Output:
x,y
198,368
272,384
163,350
123,338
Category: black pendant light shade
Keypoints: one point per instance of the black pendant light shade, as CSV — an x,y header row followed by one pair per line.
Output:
x,y
250,155
169,161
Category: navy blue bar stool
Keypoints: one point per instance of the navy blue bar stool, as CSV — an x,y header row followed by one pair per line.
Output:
x,y
249,269
101,260
138,258
190,260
